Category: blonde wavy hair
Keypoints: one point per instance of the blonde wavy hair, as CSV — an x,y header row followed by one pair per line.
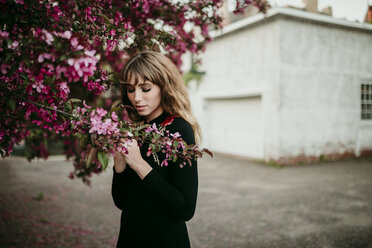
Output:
x,y
159,69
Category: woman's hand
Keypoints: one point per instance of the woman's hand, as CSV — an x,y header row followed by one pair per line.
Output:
x,y
133,157
119,162
135,160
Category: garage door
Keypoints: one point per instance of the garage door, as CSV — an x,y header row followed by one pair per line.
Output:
x,y
234,126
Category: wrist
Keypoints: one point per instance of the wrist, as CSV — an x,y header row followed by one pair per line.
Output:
x,y
119,168
142,168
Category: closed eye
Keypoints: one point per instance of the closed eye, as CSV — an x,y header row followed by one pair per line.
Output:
x,y
146,89
130,90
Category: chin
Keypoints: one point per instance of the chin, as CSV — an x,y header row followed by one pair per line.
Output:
x,y
142,114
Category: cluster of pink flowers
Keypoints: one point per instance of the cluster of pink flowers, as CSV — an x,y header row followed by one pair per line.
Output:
x,y
43,61
95,86
106,126
83,67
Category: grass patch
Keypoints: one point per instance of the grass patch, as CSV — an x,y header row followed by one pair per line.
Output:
x,y
322,158
274,164
40,196
44,220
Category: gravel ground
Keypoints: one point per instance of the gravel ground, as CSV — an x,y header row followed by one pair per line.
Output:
x,y
240,204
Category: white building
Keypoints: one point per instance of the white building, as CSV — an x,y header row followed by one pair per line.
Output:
x,y
287,87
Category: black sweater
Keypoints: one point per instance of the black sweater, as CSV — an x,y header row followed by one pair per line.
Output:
x,y
154,210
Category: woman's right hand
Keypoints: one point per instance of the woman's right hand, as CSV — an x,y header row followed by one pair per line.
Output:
x,y
119,162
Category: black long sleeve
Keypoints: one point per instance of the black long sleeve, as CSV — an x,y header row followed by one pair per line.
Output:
x,y
119,188
180,194
155,208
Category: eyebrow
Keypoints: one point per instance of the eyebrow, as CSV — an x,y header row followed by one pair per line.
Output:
x,y
139,84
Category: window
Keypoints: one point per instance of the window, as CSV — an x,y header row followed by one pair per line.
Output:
x,y
366,101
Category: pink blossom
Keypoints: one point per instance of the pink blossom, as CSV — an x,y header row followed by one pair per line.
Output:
x,y
75,44
57,13
40,59
95,86
83,110
38,85
114,116
101,112
66,34
36,32
146,7
106,127
175,135
80,67
111,45
4,34
19,1
90,53
165,162
88,15
4,68
148,129
48,37
59,70
64,90
113,32
86,106
118,18
43,56
14,45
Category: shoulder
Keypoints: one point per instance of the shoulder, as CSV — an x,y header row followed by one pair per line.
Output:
x,y
184,128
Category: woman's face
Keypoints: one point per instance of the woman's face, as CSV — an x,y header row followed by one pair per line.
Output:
x,y
145,97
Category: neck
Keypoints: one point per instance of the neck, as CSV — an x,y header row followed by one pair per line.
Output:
x,y
154,115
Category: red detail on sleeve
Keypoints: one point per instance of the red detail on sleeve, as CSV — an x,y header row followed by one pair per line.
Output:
x,y
168,120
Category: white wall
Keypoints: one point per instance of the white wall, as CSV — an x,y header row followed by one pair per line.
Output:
x,y
322,68
307,76
241,65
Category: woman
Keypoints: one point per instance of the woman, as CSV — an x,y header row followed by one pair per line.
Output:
x,y
155,200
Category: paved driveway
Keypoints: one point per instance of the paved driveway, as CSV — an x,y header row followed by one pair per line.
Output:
x,y
240,204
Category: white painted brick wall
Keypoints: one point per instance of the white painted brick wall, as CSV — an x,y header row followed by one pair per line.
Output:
x,y
321,70
308,76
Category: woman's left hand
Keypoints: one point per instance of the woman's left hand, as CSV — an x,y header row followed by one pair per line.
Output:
x,y
133,158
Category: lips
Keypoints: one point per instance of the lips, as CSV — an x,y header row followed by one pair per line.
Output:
x,y
140,107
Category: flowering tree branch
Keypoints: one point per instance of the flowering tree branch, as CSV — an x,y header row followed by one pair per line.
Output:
x,y
54,50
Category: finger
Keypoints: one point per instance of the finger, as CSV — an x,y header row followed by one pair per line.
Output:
x,y
132,143
116,155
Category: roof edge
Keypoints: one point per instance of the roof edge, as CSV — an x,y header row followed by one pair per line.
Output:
x,y
292,13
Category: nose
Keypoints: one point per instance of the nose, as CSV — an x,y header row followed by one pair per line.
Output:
x,y
137,96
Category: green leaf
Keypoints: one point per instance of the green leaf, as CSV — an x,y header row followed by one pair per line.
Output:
x,y
74,100
84,140
2,152
106,18
102,157
11,104
115,104
114,109
25,77
91,156
63,57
